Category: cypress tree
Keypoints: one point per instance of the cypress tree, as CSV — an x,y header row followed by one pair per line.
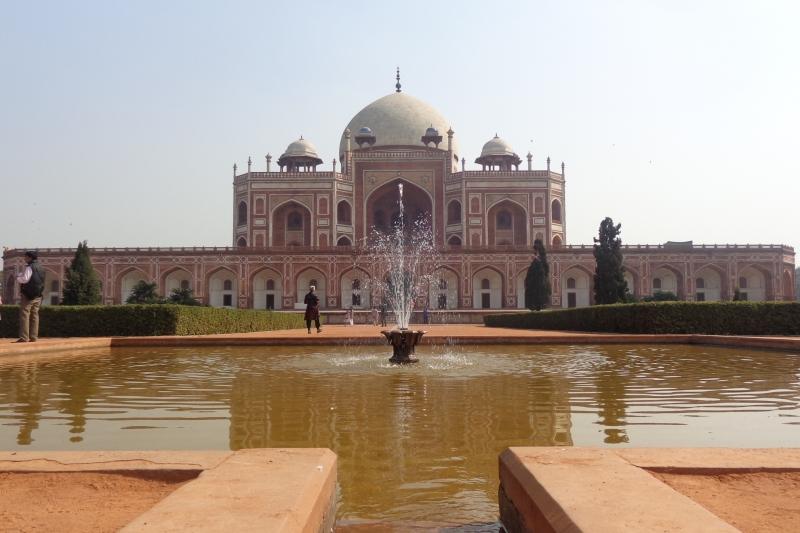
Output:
x,y
82,286
537,280
609,279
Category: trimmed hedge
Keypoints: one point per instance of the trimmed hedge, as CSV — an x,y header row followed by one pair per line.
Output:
x,y
144,320
711,318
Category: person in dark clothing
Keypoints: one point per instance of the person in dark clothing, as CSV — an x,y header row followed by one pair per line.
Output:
x,y
31,281
312,309
383,314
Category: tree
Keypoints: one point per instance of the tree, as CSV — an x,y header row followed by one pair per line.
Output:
x,y
82,285
537,279
183,297
144,293
609,278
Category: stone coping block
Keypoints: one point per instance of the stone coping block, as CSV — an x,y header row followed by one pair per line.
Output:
x,y
371,335
283,490
549,489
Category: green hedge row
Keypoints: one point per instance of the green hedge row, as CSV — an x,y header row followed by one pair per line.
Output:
x,y
143,320
712,318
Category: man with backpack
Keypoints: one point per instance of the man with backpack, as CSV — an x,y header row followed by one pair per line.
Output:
x,y
31,281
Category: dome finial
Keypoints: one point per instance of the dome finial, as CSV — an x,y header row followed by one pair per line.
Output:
x,y
397,85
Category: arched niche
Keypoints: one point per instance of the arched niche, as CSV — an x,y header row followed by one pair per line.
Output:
x,y
753,284
708,285
487,289
222,289
666,279
555,210
291,225
454,212
241,213
176,278
576,288
344,240
344,213
267,289
443,293
383,209
304,280
355,289
507,224
127,281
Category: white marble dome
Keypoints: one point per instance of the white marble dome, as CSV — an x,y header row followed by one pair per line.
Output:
x,y
398,119
497,146
300,148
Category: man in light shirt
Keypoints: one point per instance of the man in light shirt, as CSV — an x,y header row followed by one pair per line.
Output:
x,y
31,281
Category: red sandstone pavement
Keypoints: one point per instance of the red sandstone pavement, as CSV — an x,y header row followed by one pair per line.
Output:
x,y
363,334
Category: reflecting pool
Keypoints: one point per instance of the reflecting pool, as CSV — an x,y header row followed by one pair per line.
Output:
x,y
416,444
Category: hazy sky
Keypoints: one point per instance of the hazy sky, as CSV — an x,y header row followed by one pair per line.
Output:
x,y
120,121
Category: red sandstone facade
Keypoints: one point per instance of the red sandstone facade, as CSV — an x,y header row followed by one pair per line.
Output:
x,y
297,226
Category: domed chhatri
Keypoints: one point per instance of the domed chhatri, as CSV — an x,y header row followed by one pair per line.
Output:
x,y
299,156
365,136
397,119
497,154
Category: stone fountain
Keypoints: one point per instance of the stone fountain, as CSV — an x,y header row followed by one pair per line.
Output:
x,y
405,254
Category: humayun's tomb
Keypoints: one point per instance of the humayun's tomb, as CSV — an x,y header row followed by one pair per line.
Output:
x,y
294,226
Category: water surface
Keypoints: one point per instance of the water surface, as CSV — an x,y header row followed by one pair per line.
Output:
x,y
415,444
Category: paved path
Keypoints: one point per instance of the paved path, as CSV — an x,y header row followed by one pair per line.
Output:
x,y
362,334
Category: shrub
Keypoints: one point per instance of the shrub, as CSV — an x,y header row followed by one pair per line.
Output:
x,y
713,318
661,296
144,320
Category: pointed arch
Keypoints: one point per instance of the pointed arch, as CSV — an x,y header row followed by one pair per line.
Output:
x,y
490,297
454,212
355,288
218,294
507,223
579,293
715,288
172,278
344,212
266,295
787,282
53,286
241,213
762,291
290,224
303,279
123,284
555,210
444,289
667,287
381,204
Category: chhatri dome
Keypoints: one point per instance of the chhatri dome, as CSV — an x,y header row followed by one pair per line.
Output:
x,y
300,155
397,119
497,154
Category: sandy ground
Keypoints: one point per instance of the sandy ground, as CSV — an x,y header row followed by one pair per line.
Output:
x,y
764,502
80,501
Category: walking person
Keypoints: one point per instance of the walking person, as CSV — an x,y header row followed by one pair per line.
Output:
x,y
312,309
31,281
426,315
374,316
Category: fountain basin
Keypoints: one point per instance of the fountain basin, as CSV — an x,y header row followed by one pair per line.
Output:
x,y
403,342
